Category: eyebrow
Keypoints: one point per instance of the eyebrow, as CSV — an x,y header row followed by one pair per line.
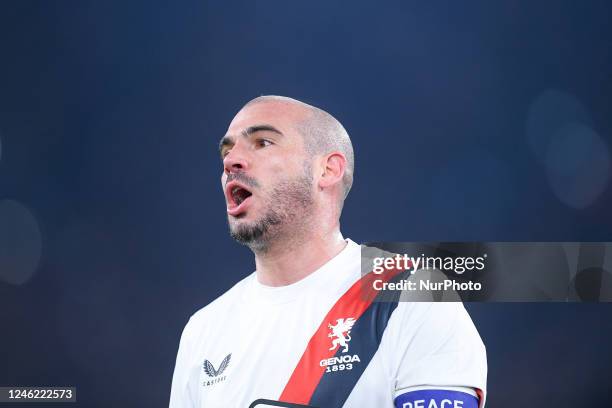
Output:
x,y
226,140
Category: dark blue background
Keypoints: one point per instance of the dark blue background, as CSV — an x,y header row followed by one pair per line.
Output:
x,y
110,114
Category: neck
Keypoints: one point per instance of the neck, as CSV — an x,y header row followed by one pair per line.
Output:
x,y
288,261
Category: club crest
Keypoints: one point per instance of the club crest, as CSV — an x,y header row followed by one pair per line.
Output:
x,y
341,333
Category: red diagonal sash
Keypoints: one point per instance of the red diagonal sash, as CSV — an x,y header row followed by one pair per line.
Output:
x,y
308,372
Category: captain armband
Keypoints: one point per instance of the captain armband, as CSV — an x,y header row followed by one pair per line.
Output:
x,y
436,398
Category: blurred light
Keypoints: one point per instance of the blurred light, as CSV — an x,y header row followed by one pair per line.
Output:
x,y
577,165
20,243
551,111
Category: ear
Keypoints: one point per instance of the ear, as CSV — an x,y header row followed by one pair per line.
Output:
x,y
333,166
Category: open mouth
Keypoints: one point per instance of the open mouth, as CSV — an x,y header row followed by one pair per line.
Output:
x,y
240,194
237,197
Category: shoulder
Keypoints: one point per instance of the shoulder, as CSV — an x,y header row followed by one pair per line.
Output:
x,y
428,325
217,310
220,305
434,343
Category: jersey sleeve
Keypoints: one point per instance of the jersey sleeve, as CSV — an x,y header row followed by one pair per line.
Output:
x,y
435,346
179,393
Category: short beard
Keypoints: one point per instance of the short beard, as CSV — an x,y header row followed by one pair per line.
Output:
x,y
254,235
292,208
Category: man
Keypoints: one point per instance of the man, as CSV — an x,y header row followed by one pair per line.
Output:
x,y
298,330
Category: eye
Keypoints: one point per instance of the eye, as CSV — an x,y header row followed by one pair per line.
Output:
x,y
262,143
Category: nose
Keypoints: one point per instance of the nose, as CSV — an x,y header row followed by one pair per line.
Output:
x,y
235,160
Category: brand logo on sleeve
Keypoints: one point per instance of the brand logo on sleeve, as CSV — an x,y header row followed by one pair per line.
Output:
x,y
215,373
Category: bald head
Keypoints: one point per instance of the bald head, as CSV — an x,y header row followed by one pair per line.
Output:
x,y
322,134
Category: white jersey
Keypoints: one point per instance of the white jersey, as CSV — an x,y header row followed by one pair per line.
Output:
x,y
320,343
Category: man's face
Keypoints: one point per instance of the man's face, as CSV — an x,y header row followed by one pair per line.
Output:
x,y
267,179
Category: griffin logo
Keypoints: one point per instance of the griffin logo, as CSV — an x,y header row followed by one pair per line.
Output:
x,y
342,333
209,369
